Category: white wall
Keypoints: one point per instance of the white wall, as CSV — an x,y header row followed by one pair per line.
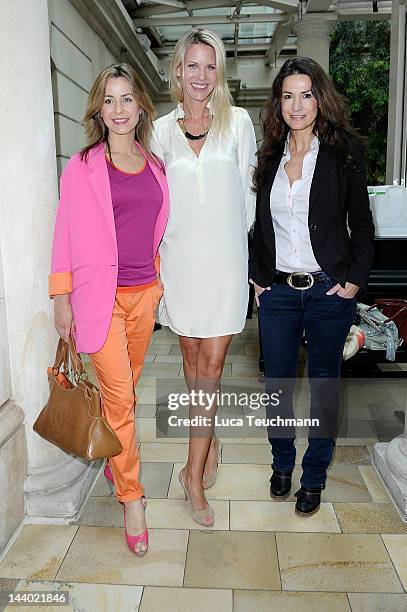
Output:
x,y
27,195
36,478
78,55
252,72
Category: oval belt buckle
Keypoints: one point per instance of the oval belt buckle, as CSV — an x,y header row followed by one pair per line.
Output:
x,y
309,276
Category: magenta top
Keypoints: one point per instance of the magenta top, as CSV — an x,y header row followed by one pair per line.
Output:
x,y
137,199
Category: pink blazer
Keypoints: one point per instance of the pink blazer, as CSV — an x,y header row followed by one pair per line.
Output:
x,y
84,252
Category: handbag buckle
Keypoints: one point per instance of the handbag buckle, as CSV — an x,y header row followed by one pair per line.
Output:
x,y
304,276
83,376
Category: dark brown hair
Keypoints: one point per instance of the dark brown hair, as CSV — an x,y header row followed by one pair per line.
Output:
x,y
332,124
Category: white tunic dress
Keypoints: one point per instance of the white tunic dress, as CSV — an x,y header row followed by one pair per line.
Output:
x,y
204,248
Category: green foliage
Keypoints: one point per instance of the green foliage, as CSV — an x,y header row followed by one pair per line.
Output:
x,y
359,67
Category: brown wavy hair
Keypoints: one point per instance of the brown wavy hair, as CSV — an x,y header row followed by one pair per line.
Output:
x,y
332,124
95,129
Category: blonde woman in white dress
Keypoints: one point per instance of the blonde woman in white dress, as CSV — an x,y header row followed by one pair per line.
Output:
x,y
208,147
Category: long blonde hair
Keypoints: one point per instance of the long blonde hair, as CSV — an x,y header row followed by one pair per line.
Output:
x,y
220,99
96,130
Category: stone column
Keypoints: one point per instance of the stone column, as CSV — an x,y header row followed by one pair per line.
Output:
x,y
390,459
313,37
397,122
5,374
57,484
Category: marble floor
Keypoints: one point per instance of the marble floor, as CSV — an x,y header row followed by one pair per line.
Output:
x,y
260,556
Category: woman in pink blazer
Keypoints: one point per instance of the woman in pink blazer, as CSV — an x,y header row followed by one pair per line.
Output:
x,y
104,276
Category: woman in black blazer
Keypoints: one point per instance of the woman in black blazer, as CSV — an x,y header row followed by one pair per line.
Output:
x,y
311,252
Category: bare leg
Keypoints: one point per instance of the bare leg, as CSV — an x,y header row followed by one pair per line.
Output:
x,y
190,348
204,359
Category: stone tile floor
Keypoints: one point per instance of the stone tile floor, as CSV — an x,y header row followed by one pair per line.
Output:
x,y
350,556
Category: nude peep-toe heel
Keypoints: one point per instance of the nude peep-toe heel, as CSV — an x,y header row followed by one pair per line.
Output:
x,y
209,480
205,517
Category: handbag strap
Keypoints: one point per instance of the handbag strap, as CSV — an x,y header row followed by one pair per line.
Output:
x,y
65,350
77,364
391,303
398,313
61,357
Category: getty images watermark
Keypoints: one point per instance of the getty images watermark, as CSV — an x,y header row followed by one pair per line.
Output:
x,y
252,401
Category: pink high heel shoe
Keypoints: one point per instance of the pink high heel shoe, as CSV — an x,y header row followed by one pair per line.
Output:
x,y
107,472
132,541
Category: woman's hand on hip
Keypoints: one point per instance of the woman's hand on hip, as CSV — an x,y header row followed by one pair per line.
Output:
x,y
258,291
63,316
348,292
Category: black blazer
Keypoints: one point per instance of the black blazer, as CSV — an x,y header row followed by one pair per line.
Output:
x,y
338,201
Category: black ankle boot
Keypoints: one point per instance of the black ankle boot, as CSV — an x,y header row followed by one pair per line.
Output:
x,y
280,484
308,500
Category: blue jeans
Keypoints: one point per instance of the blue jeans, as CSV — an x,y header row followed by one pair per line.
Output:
x,y
285,313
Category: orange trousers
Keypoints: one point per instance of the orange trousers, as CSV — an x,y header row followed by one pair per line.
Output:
x,y
117,368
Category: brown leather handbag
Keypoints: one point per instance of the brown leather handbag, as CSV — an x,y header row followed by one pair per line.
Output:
x,y
72,418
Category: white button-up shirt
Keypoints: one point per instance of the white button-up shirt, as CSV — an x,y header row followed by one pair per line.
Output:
x,y
289,211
